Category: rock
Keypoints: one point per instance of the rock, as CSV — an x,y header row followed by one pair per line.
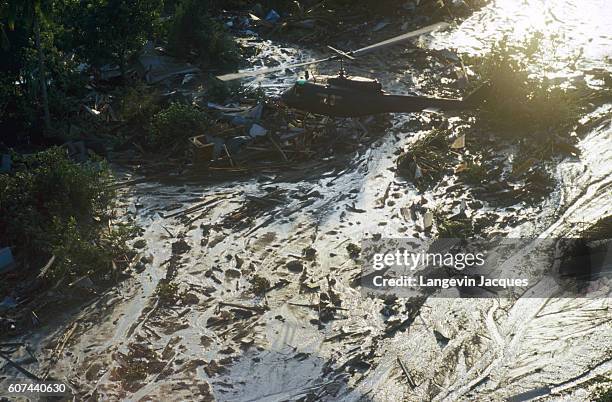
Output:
x,y
295,266
309,253
353,250
147,260
190,298
139,267
232,273
441,339
140,243
260,285
180,247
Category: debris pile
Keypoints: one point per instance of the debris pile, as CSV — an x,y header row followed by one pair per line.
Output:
x,y
269,135
305,23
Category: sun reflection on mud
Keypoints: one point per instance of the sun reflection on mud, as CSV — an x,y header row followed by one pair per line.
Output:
x,y
568,29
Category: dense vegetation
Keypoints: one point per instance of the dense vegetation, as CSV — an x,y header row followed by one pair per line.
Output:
x,y
176,123
52,54
50,205
195,34
50,49
521,100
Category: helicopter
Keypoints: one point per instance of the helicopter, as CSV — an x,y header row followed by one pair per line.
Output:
x,y
352,96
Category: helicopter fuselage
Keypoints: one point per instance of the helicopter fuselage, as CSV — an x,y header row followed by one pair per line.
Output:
x,y
343,96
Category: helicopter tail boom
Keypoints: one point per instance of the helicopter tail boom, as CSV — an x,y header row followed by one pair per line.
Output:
x,y
477,96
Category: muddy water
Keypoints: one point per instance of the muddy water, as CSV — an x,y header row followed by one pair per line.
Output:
x,y
131,345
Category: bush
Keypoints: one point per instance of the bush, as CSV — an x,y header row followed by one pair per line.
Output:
x,y
52,206
138,104
521,102
18,111
175,124
195,34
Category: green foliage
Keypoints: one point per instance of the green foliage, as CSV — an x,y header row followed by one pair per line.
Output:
x,y
226,91
452,227
167,292
51,205
15,13
20,58
603,395
221,91
429,154
194,34
175,124
519,101
138,104
86,251
22,24
260,285
112,30
16,106
474,172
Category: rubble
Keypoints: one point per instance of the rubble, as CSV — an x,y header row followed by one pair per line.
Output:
x,y
156,67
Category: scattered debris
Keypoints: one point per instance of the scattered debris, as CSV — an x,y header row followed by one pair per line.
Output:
x,y
5,163
203,151
257,131
459,143
406,373
8,303
261,135
21,369
6,259
272,16
155,67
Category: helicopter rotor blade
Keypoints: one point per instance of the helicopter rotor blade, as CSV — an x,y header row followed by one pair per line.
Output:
x,y
341,53
248,74
398,39
350,55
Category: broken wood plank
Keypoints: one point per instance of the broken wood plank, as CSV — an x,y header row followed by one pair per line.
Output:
x,y
258,309
21,369
406,373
